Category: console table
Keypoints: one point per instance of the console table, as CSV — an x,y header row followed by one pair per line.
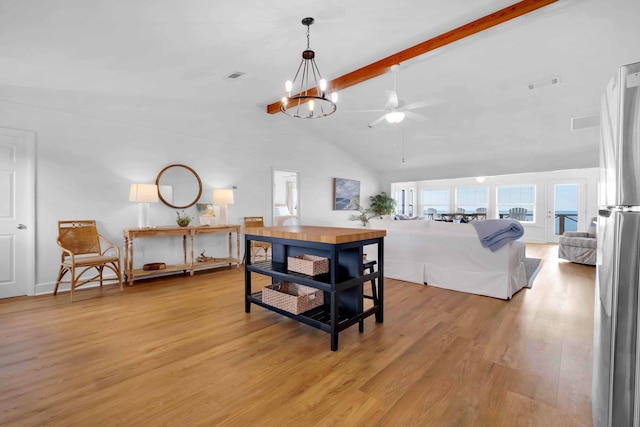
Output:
x,y
188,235
342,285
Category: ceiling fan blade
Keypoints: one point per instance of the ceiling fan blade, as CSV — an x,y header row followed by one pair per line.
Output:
x,y
392,99
378,120
415,116
422,104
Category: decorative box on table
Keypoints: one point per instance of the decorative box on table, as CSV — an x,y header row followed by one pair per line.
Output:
x,y
292,297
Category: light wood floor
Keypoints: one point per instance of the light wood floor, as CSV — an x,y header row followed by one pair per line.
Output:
x,y
182,351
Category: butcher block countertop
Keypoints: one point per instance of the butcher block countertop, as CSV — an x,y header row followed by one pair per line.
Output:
x,y
310,233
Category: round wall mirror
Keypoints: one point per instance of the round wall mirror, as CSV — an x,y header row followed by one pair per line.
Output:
x,y
179,186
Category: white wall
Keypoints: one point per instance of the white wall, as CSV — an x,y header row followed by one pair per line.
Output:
x,y
538,230
85,166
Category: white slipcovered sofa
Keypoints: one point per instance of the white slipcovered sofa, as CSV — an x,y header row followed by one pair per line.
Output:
x,y
450,255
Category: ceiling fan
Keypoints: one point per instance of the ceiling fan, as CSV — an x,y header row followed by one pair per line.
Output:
x,y
394,112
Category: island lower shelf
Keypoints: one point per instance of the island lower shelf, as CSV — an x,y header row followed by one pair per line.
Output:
x,y
319,317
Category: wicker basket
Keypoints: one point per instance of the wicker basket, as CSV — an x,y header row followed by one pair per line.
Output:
x,y
308,264
292,297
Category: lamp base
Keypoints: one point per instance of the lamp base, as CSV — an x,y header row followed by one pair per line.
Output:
x,y
143,215
223,215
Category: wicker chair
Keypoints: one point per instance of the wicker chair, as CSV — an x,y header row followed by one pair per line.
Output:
x,y
257,247
82,253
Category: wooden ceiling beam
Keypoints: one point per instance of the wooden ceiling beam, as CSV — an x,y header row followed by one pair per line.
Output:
x,y
382,66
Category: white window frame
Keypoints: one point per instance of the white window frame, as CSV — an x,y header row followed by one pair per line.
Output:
x,y
531,206
486,191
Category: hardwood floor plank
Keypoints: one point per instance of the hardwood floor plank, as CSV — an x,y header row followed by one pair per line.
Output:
x,y
180,350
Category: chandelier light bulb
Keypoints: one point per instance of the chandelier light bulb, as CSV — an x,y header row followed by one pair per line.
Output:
x,y
288,85
334,97
323,85
311,105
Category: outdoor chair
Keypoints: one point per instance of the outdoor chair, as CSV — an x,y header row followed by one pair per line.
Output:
x,y
519,214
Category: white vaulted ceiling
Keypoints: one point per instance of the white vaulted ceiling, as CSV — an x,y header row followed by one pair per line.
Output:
x,y
163,64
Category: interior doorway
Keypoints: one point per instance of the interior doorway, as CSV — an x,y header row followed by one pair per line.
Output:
x,y
17,213
286,197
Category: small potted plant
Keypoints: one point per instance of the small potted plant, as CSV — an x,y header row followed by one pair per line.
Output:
x,y
183,219
382,204
363,217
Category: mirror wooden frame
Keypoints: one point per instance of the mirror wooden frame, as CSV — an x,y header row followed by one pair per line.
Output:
x,y
194,174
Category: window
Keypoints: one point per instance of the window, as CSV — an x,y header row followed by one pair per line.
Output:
x,y
410,204
436,199
517,196
400,202
472,198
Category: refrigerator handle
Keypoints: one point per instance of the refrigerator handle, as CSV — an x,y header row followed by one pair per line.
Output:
x,y
604,212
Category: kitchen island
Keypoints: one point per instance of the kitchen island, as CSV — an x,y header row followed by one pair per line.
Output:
x,y
342,285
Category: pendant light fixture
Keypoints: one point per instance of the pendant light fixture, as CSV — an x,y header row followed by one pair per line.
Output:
x,y
311,101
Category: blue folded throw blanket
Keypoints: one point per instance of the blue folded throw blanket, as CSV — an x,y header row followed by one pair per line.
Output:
x,y
495,233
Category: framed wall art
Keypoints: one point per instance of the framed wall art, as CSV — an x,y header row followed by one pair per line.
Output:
x,y
346,194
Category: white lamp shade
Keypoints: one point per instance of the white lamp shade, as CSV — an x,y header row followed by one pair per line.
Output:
x,y
222,196
143,193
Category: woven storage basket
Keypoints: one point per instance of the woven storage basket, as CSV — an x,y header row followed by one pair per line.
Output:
x,y
292,297
308,264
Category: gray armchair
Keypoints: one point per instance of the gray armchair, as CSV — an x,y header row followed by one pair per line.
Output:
x,y
579,246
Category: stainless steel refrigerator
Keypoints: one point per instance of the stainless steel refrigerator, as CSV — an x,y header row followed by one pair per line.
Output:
x,y
616,355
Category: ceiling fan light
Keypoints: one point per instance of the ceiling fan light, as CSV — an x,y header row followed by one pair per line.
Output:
x,y
394,116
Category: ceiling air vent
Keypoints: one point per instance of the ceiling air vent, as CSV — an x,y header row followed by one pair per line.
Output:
x,y
585,122
542,83
235,75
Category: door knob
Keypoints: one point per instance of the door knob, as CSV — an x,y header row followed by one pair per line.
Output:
x,y
21,227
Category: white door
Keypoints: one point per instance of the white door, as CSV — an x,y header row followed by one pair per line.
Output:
x,y
17,213
566,207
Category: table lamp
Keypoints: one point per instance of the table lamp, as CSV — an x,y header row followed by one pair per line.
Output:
x,y
223,197
143,194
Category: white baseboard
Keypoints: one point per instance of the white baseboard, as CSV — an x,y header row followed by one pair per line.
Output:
x,y
48,287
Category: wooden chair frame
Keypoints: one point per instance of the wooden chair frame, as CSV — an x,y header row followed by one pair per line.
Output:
x,y
83,253
257,247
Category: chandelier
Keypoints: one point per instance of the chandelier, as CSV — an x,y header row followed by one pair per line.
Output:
x,y
311,101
